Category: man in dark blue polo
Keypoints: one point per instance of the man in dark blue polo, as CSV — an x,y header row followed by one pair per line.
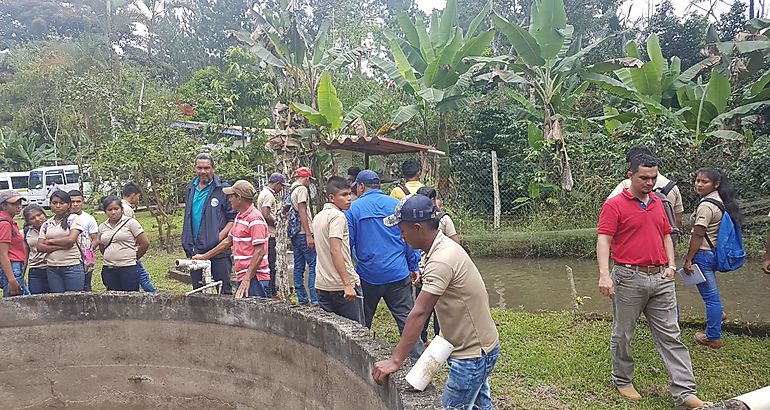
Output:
x,y
208,218
386,265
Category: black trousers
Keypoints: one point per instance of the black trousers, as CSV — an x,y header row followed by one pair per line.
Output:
x,y
398,298
334,302
271,258
220,270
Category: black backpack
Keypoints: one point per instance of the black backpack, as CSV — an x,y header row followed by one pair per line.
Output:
x,y
668,207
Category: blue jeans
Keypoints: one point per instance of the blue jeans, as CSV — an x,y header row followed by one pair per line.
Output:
x,y
144,278
303,255
66,278
18,273
38,280
709,292
256,289
467,385
266,286
334,302
121,278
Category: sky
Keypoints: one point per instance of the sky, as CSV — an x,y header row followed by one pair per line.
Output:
x,y
639,6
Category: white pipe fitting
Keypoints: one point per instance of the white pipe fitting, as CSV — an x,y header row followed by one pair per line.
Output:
x,y
756,400
189,264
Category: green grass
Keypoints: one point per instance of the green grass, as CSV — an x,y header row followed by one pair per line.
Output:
x,y
561,360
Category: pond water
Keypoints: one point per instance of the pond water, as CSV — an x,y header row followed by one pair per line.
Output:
x,y
542,284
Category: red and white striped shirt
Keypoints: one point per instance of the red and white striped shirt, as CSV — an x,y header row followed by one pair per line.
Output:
x,y
248,233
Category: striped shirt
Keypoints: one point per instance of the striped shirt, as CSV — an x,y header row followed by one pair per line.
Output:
x,y
249,231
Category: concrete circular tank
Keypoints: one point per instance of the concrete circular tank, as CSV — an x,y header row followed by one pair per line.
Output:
x,y
138,351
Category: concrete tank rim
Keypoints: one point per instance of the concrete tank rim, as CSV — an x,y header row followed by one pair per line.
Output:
x,y
20,311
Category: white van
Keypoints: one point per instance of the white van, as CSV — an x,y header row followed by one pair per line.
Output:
x,y
44,180
17,181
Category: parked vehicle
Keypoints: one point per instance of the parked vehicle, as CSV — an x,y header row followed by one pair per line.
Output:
x,y
15,180
44,180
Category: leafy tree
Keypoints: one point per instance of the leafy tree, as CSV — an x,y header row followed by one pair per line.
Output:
x,y
237,94
732,22
147,151
23,151
682,38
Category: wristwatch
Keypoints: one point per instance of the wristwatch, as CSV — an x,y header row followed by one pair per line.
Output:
x,y
671,267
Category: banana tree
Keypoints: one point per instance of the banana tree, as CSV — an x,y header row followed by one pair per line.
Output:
x,y
656,83
429,64
329,116
281,44
547,62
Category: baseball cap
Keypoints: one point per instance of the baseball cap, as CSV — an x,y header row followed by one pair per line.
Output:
x,y
10,196
277,178
412,208
303,172
367,177
242,188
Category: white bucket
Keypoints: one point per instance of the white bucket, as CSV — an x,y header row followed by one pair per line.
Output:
x,y
757,400
432,358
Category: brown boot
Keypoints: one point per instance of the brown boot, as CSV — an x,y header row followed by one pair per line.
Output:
x,y
724,317
701,338
629,392
692,403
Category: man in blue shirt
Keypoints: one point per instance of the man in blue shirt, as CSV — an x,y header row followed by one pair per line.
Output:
x,y
387,266
208,218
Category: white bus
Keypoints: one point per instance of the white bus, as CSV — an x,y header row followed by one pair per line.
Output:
x,y
44,180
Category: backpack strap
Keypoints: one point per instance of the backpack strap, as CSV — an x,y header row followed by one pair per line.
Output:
x,y
404,189
291,191
13,233
667,188
116,232
721,207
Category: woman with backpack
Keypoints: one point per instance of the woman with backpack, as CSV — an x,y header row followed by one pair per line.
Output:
x,y
58,238
34,218
717,195
122,242
12,252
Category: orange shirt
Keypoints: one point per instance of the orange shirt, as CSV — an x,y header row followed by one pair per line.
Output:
x,y
10,234
249,231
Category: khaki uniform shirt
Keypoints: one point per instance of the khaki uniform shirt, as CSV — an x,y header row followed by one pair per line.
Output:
x,y
266,198
128,210
331,223
122,250
674,196
54,230
708,216
463,303
298,196
447,226
36,259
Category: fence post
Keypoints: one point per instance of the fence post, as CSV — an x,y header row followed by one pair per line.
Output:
x,y
496,188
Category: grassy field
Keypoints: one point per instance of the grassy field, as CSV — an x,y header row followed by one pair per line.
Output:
x,y
561,360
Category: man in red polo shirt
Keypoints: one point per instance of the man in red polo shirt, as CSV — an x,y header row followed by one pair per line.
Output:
x,y
634,225
248,238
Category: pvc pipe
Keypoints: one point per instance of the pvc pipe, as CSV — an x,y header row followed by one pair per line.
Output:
x,y
438,352
205,287
756,400
189,264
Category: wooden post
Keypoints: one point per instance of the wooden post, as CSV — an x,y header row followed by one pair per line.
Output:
x,y
572,288
496,188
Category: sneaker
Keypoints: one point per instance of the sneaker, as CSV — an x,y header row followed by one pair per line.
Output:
x,y
693,403
701,338
629,392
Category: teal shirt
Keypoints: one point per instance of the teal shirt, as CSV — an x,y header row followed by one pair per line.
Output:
x,y
199,201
